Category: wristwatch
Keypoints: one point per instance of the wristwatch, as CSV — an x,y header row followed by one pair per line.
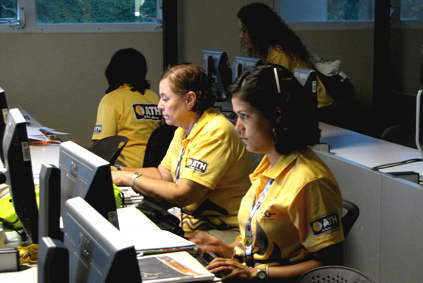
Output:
x,y
262,275
134,176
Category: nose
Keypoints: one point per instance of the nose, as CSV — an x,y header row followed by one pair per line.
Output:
x,y
160,105
238,125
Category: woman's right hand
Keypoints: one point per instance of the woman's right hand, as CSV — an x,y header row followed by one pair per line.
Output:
x,y
211,244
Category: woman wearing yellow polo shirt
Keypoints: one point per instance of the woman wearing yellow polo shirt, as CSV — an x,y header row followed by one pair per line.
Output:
x,y
205,171
290,218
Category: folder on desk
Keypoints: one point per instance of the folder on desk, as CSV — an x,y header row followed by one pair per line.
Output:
x,y
146,236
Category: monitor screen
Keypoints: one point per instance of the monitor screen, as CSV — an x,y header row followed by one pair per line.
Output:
x,y
218,69
98,252
19,174
84,174
419,121
3,118
243,64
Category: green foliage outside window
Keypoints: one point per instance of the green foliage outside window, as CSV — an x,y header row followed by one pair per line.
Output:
x,y
93,11
411,9
8,9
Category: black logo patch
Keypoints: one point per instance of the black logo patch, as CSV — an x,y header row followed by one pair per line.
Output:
x,y
148,111
325,224
97,129
196,165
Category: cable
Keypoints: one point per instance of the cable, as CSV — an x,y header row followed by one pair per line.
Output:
x,y
393,164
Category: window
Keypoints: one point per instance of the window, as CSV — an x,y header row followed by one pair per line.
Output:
x,y
79,15
347,13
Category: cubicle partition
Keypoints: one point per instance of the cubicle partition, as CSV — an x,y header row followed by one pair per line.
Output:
x,y
384,243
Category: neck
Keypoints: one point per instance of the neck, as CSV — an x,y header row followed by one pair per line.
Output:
x,y
273,158
191,123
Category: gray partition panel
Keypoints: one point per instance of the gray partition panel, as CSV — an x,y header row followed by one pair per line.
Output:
x,y
401,229
360,185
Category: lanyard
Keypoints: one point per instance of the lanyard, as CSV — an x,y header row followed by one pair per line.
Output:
x,y
179,165
178,168
248,241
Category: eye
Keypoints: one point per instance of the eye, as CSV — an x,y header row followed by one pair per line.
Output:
x,y
242,116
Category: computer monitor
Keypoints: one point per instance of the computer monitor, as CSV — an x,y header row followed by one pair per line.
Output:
x,y
218,69
49,203
419,121
243,64
98,252
3,118
421,68
86,175
52,261
19,174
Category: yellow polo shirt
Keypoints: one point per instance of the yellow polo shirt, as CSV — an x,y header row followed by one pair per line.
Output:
x,y
278,57
130,114
300,214
215,157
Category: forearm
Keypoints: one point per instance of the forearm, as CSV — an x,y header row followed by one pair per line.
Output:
x,y
157,190
291,272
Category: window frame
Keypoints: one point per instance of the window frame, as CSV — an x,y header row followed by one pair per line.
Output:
x,y
355,25
27,23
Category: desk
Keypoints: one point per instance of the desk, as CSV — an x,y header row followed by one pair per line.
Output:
x,y
367,150
385,241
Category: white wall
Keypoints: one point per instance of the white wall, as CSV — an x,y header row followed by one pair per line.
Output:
x,y
59,78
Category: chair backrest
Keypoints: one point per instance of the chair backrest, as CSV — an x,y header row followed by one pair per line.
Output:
x,y
157,145
334,273
402,134
350,216
109,148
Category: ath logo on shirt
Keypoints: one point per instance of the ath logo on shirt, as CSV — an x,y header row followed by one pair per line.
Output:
x,y
97,129
196,165
325,224
146,111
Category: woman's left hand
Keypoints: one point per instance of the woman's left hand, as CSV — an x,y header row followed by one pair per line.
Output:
x,y
234,270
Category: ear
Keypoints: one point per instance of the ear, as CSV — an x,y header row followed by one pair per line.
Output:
x,y
277,114
191,98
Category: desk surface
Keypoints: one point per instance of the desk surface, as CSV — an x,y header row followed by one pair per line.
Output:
x,y
369,151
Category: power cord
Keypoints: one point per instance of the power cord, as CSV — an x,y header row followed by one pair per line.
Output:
x,y
393,164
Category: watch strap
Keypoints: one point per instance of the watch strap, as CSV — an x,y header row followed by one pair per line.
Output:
x,y
134,177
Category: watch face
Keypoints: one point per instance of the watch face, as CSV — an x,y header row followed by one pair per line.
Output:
x,y
261,274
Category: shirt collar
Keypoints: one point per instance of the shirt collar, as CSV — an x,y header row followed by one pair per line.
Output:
x,y
204,119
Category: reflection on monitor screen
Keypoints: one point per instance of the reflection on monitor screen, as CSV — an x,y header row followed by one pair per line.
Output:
x,y
98,252
19,174
243,64
86,175
218,69
3,118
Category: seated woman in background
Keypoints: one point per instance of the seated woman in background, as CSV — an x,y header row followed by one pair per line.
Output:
x,y
129,107
205,171
290,219
266,36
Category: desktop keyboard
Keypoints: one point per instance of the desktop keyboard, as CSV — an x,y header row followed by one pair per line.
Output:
x,y
204,258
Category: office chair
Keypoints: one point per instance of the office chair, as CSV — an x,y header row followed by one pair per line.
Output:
x,y
350,217
402,134
334,273
109,148
157,145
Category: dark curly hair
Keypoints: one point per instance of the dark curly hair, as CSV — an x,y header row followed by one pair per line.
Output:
x,y
127,66
297,125
187,77
266,29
